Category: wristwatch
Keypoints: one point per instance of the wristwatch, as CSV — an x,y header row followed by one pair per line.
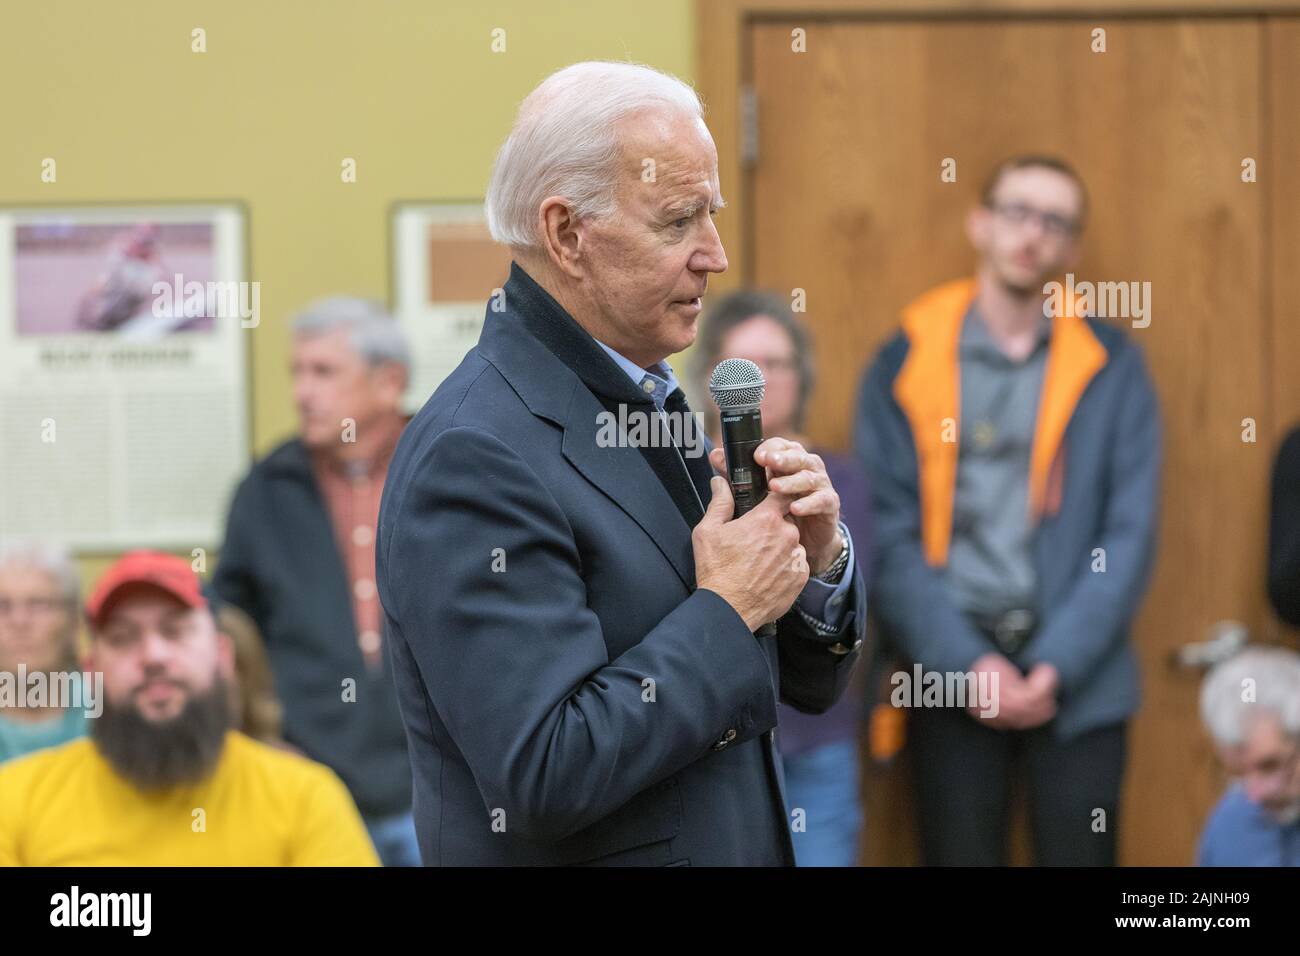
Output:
x,y
833,573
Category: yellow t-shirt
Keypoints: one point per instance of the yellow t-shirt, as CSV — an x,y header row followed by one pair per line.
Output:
x,y
66,806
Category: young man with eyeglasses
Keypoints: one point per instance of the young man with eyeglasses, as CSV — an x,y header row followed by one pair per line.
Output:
x,y
1014,457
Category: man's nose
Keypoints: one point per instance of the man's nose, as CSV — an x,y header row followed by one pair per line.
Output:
x,y
712,257
155,648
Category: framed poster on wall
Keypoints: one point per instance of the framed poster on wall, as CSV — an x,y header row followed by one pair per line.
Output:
x,y
445,269
123,378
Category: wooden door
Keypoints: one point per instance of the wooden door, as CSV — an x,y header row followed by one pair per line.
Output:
x,y
844,200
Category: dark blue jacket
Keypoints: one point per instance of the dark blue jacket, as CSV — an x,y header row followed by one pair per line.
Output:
x,y
569,696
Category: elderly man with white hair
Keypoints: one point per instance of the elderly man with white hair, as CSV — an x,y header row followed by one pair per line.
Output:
x,y
299,559
1250,704
573,619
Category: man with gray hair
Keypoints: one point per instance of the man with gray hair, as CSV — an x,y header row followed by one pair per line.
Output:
x,y
572,620
1250,704
299,559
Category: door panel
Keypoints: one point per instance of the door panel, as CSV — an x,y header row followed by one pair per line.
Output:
x,y
846,203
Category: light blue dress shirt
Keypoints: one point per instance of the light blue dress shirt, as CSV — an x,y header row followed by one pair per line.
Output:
x,y
820,601
1240,833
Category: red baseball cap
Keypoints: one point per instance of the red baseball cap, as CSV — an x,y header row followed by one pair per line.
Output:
x,y
165,571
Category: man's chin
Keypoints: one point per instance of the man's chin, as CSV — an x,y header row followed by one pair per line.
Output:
x,y
687,329
156,717
1024,284
316,439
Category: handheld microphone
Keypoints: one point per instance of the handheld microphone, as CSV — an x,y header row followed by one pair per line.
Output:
x,y
737,387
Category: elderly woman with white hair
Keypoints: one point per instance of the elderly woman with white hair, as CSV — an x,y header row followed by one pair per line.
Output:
x,y
39,592
1250,704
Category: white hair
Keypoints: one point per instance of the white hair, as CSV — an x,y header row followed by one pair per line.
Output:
x,y
564,143
1275,672
375,334
44,556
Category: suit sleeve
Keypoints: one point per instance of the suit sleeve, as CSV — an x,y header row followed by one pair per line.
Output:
x,y
909,595
484,579
1078,633
817,661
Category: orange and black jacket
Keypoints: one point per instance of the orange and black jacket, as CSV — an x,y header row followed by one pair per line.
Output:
x,y
1094,475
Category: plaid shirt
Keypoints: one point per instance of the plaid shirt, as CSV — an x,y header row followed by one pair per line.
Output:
x,y
352,491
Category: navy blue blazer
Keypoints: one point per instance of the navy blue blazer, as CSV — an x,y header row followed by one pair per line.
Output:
x,y
569,695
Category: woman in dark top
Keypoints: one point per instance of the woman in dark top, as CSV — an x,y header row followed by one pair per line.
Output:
x,y
819,751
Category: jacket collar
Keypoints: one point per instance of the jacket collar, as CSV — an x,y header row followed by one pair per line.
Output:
x,y
927,389
562,375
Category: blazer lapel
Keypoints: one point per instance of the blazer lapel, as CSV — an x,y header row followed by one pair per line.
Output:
x,y
562,375
625,476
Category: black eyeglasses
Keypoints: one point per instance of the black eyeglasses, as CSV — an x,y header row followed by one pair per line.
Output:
x,y
1018,213
33,606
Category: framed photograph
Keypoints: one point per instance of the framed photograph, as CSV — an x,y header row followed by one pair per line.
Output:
x,y
123,371
446,268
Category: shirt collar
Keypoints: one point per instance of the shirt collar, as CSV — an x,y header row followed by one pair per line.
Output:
x,y
976,340
374,467
658,381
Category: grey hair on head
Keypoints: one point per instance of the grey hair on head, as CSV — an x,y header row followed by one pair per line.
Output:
x,y
564,142
53,559
1276,675
376,335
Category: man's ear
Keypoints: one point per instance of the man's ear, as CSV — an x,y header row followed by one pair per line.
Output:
x,y
561,237
391,378
978,223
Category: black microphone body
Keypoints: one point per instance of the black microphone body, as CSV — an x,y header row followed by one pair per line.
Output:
x,y
737,386
742,432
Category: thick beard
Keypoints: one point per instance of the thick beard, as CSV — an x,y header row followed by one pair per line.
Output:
x,y
159,755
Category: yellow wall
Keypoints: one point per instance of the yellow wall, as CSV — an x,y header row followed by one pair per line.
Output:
x,y
287,88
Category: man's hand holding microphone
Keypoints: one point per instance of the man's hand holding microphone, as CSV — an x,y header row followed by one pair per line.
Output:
x,y
759,562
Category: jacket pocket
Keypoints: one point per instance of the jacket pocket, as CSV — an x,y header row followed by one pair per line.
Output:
x,y
636,834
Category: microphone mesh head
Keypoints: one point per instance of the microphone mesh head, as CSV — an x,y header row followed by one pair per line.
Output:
x,y
735,383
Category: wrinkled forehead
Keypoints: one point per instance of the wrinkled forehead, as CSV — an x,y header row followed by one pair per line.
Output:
x,y
20,577
667,156
1265,732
